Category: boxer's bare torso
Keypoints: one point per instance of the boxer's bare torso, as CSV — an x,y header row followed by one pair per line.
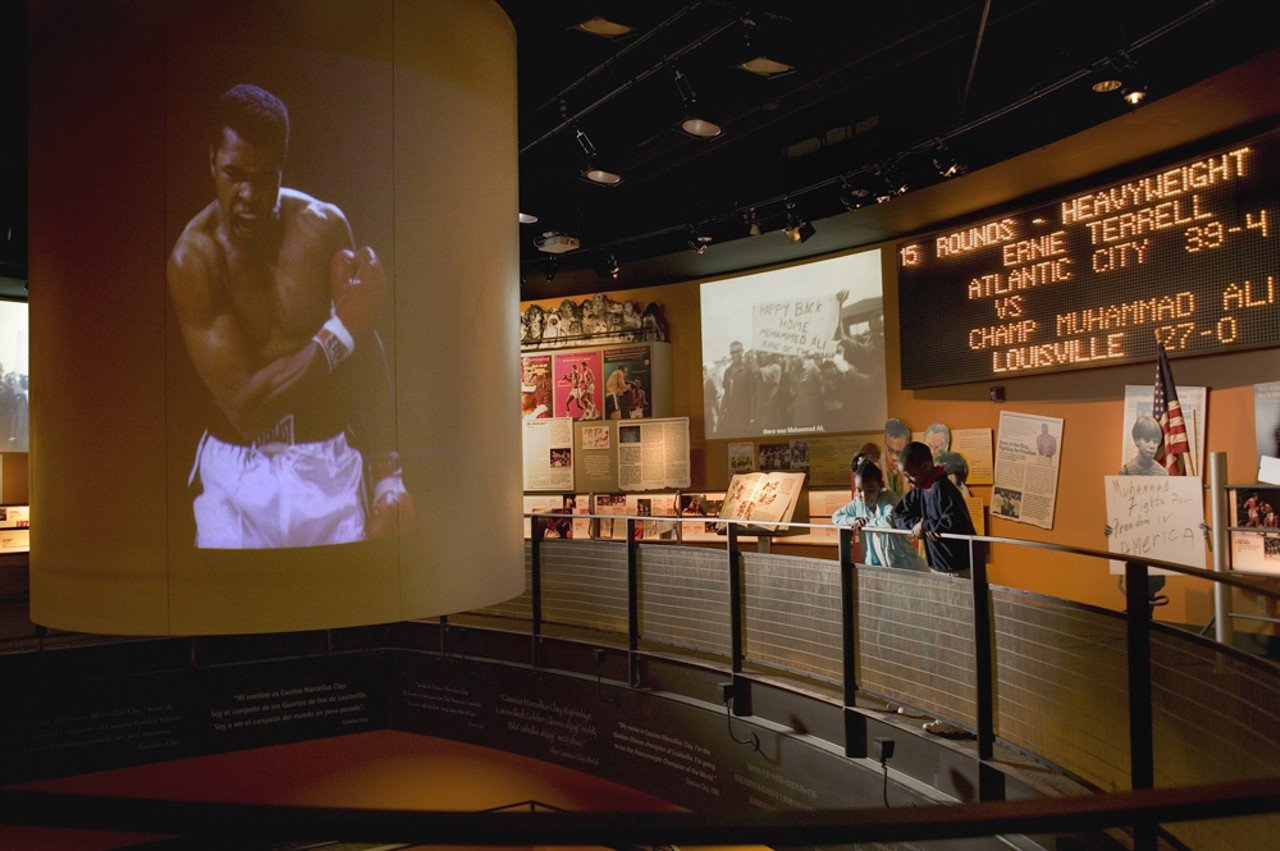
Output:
x,y
248,310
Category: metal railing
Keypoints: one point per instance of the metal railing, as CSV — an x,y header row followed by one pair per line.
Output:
x,y
1137,630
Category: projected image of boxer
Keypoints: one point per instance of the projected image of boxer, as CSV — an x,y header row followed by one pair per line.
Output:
x,y
277,310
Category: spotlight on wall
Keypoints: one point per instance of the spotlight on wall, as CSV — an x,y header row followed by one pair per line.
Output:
x,y
884,752
695,122
527,218
726,697
753,223
553,266
611,266
601,655
798,229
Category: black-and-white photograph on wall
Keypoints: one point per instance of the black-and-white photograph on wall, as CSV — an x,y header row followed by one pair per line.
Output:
x,y
795,350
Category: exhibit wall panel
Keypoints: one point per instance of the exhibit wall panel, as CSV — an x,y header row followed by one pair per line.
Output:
x,y
217,458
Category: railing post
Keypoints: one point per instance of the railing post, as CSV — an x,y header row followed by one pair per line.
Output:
x,y
984,656
990,781
1141,748
848,617
1220,519
633,604
537,530
855,724
742,695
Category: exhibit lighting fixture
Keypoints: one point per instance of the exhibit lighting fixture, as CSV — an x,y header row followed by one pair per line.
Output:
x,y
698,241
553,266
693,123
852,197
527,218
947,165
611,266
1134,93
753,223
756,61
892,189
592,172
1109,84
602,177
798,229
763,66
602,27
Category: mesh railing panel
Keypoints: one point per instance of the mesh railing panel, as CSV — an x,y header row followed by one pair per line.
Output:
x,y
584,584
791,614
1062,685
684,597
1215,717
915,636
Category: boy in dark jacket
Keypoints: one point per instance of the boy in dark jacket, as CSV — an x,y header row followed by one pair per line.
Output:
x,y
933,506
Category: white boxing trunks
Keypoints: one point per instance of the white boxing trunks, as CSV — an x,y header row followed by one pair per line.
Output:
x,y
279,495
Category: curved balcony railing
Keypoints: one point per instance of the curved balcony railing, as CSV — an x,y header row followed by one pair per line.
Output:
x,y
1108,698
1177,733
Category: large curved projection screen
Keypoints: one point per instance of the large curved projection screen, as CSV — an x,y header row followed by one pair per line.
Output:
x,y
274,365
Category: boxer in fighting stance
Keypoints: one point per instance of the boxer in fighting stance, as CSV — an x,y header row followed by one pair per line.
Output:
x,y
277,312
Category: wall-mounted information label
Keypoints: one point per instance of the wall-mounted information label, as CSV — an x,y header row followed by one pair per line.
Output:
x,y
1185,256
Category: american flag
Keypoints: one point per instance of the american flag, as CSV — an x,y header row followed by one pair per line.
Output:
x,y
1167,410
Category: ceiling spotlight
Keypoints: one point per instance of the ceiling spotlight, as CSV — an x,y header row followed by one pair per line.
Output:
x,y
948,166
763,66
602,27
611,266
584,142
554,242
753,223
692,123
1134,93
527,218
601,177
700,128
593,173
553,266
852,197
797,229
892,189
1108,85
697,241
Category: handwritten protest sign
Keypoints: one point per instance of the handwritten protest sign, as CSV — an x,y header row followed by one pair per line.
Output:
x,y
1156,517
796,326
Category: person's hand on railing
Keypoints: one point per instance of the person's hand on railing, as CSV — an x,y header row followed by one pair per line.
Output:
x,y
918,532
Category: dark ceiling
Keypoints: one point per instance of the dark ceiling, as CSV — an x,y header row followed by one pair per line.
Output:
x,y
881,95
876,89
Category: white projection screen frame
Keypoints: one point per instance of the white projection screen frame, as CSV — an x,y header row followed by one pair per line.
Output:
x,y
795,350
392,122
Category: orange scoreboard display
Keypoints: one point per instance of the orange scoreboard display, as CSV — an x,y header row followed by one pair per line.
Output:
x,y
1187,255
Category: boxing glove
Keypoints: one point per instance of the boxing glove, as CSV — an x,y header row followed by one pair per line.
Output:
x,y
391,509
358,288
